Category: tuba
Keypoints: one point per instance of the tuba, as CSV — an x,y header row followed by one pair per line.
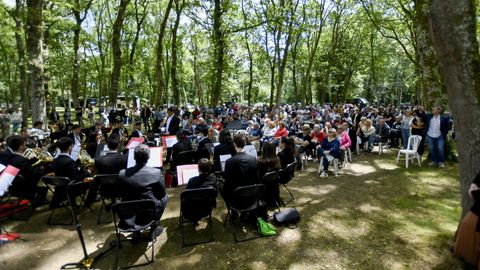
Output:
x,y
42,155
86,160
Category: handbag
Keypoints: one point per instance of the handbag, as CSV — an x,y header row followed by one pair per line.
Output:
x,y
264,228
287,216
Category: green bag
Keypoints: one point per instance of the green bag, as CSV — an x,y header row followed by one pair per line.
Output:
x,y
264,228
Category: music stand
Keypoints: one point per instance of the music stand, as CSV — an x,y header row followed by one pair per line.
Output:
x,y
87,262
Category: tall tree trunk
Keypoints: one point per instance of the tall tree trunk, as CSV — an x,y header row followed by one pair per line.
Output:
x,y
431,82
76,57
22,70
35,59
117,53
159,61
219,51
250,60
453,30
139,19
173,68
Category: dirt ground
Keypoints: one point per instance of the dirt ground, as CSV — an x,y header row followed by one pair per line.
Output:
x,y
374,215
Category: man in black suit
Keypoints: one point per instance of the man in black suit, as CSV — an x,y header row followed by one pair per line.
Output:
x,y
194,212
141,182
225,147
172,125
65,166
202,137
112,162
138,130
120,130
26,186
181,146
240,170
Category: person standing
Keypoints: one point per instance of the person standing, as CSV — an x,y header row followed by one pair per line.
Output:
x,y
90,115
78,113
145,115
16,120
67,116
4,124
406,120
437,129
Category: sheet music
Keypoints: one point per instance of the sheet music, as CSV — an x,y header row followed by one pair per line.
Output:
x,y
215,144
223,160
75,152
185,172
7,177
134,142
171,141
250,150
155,160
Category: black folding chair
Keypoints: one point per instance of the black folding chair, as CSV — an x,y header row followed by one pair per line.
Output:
x,y
196,204
52,183
185,158
286,175
19,201
244,199
130,210
270,179
108,190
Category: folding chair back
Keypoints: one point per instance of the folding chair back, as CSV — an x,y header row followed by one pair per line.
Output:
x,y
288,173
139,213
271,177
246,198
185,157
198,202
107,189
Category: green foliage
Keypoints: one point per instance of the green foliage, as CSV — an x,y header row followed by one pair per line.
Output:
x,y
353,58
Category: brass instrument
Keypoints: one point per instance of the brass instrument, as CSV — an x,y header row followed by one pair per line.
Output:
x,y
42,155
86,160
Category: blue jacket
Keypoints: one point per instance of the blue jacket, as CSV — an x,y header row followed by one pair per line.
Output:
x,y
333,146
443,124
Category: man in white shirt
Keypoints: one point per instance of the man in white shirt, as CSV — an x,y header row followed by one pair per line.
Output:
x,y
437,127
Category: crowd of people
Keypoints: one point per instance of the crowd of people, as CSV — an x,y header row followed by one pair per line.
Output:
x,y
280,136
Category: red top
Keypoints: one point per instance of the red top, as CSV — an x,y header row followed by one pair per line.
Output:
x,y
281,132
320,136
218,126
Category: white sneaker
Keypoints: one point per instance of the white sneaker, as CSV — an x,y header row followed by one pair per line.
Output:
x,y
441,165
323,175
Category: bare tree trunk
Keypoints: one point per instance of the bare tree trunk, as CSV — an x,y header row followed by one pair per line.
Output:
x,y
20,43
431,81
117,53
453,32
219,48
173,68
131,59
35,59
159,62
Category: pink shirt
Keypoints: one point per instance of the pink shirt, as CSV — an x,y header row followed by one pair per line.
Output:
x,y
345,141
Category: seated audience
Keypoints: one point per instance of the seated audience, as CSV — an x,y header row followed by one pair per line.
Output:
x,y
305,141
382,133
287,153
345,141
329,149
317,135
367,129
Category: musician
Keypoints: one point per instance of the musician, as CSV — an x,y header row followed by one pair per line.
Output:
x,y
173,122
142,182
37,131
112,162
181,146
27,186
121,131
201,133
65,166
240,170
225,147
138,130
76,135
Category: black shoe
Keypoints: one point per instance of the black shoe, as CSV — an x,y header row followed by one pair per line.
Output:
x,y
158,230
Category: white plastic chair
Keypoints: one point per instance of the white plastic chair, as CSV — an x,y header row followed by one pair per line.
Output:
x,y
304,160
335,166
411,151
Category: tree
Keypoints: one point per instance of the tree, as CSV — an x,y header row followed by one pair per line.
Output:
x,y
79,18
117,53
453,30
35,59
173,67
219,52
159,53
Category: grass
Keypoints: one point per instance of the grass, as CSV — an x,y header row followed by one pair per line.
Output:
x,y
374,215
